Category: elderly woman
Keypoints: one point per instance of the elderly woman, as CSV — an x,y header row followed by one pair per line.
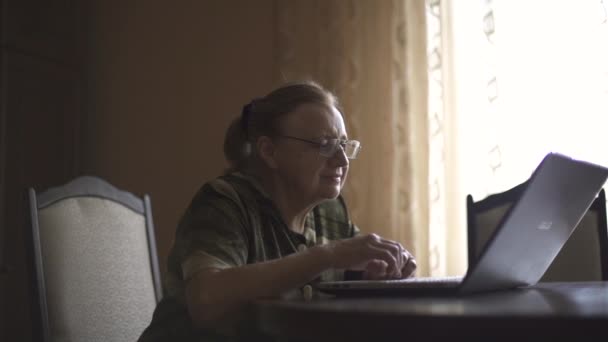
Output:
x,y
274,222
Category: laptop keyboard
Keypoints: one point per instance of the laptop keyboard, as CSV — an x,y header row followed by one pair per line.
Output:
x,y
447,279
419,282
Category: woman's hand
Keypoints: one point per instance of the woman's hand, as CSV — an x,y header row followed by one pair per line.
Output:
x,y
379,258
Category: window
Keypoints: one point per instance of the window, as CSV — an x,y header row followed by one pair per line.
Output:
x,y
514,79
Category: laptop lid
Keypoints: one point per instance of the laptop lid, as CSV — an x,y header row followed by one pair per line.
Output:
x,y
522,247
559,193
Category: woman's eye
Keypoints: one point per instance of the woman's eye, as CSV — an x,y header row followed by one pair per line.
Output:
x,y
324,142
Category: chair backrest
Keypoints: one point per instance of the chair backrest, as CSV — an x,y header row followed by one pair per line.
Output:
x,y
95,262
584,257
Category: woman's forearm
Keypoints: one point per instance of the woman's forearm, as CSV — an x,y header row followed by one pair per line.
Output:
x,y
213,293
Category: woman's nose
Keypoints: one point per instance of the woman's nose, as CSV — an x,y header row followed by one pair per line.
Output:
x,y
339,158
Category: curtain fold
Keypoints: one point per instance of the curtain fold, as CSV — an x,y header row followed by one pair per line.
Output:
x,y
372,55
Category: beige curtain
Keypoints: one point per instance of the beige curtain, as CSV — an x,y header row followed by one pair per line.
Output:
x,y
372,54
447,230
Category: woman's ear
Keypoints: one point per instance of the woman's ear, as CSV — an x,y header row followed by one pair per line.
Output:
x,y
267,151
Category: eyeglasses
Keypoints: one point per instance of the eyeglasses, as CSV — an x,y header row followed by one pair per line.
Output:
x,y
329,147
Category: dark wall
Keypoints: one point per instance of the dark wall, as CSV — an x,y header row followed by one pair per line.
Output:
x,y
165,81
138,92
41,88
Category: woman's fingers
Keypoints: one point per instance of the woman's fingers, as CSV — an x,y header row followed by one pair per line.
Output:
x,y
381,258
409,266
375,269
381,254
392,254
405,261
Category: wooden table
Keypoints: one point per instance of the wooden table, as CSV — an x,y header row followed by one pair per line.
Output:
x,y
550,310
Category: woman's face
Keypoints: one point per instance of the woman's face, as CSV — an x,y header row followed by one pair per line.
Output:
x,y
299,165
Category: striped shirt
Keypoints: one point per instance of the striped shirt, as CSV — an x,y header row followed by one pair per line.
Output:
x,y
232,222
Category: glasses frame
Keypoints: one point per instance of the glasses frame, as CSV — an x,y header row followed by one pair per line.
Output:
x,y
341,142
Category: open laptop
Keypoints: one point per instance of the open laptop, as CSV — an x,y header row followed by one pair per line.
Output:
x,y
529,236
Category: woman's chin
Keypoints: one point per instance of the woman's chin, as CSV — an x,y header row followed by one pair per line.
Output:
x,y
330,192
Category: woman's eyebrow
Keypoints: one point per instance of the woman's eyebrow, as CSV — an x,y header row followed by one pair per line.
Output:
x,y
334,135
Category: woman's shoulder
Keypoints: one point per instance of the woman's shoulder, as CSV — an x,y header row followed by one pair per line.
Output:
x,y
233,187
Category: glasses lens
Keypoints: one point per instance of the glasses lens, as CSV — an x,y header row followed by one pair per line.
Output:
x,y
328,147
351,149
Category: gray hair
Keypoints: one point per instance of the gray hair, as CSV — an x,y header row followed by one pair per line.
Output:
x,y
262,116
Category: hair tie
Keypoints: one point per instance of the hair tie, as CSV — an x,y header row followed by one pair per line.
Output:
x,y
245,116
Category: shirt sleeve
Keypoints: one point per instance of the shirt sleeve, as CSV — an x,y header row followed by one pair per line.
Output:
x,y
212,234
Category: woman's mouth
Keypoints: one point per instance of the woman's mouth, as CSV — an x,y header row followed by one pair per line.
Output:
x,y
334,178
